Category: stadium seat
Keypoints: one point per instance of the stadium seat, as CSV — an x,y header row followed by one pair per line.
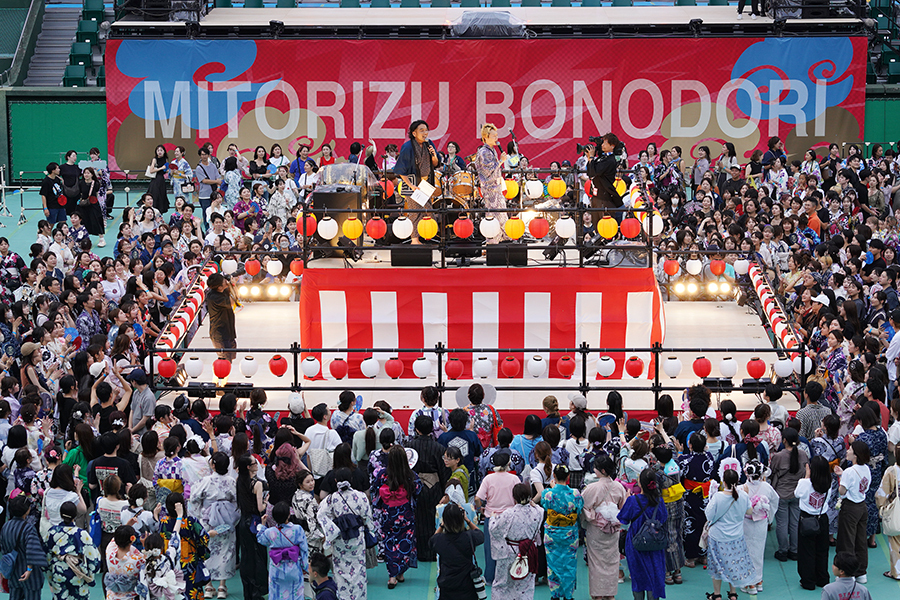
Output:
x,y
286,4
561,3
718,2
440,4
223,4
410,4
75,76
685,2
88,31
501,3
80,54
349,3
253,3
380,4
469,3
531,3
93,10
591,3
101,76
622,3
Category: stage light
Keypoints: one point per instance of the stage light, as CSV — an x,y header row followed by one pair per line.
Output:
x,y
692,288
680,288
285,291
713,288
724,288
255,291
272,291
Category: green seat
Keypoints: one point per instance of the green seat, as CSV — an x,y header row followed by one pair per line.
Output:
x,y
88,31
561,3
101,76
75,76
253,3
380,4
80,54
410,4
93,10
286,4
685,2
718,2
622,3
591,3
440,4
223,4
349,3
469,4
531,3
501,3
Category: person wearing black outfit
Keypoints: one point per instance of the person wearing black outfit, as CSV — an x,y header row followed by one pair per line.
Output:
x,y
434,475
252,504
51,191
602,171
222,331
455,544
70,174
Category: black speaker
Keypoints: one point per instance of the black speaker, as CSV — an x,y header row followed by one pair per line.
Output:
x,y
335,202
507,255
816,9
411,256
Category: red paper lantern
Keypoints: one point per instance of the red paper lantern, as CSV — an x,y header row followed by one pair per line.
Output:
x,y
221,368
310,225
454,368
634,366
338,368
717,267
671,267
510,367
297,267
702,367
388,186
376,227
756,368
463,227
393,368
630,227
539,227
252,267
167,368
565,366
278,365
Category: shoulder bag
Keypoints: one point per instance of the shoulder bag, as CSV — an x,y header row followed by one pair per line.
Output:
x,y
890,512
810,525
519,568
477,575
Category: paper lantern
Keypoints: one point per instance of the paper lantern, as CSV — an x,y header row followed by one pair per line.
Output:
x,y
489,227
376,228
556,188
565,227
167,368
784,368
693,266
393,368
634,366
338,368
310,366
606,366
515,228
156,360
565,366
177,329
402,228
370,367
274,267
328,228
539,227
620,186
252,267
536,366
671,267
756,368
278,365
229,266
422,367
388,186
608,227
654,225
512,189
510,367
463,227
310,221
248,366
483,367
805,363
353,228
728,367
454,368
630,228
297,267
222,368
717,267
194,367
534,189
427,228
741,266
672,366
702,367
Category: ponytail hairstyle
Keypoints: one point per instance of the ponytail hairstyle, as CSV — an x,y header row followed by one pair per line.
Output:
x,y
387,437
346,400
544,454
750,428
649,486
730,479
729,417
792,440
370,417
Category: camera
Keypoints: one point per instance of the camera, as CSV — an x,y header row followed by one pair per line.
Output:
x,y
595,140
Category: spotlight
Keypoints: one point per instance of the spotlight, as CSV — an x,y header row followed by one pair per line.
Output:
x,y
243,291
255,291
192,28
272,291
713,288
695,25
285,291
724,288
692,288
679,288
276,28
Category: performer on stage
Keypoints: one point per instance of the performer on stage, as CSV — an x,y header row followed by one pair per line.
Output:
x,y
602,171
490,177
417,161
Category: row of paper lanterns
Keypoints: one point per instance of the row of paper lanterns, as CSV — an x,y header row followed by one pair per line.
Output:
x,y
695,267
774,314
194,366
181,320
728,367
252,267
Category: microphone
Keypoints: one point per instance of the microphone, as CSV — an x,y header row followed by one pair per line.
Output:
x,y
384,156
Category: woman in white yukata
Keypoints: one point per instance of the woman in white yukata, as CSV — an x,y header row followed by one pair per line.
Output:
x,y
213,502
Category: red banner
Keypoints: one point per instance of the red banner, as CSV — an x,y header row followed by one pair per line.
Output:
x,y
808,91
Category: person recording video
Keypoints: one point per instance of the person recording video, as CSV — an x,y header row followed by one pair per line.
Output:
x,y
602,171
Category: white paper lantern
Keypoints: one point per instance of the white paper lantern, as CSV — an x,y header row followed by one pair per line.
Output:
x,y
693,266
536,366
807,365
156,361
565,227
327,228
422,367
534,189
248,366
194,367
728,367
402,228
489,227
370,367
654,225
742,266
672,367
784,367
229,266
310,366
780,328
606,366
274,267
483,367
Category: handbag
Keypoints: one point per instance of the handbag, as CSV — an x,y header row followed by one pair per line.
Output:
x,y
890,512
187,188
95,529
651,536
810,525
704,537
148,174
519,568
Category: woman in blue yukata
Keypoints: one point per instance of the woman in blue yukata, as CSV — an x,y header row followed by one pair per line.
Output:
x,y
288,554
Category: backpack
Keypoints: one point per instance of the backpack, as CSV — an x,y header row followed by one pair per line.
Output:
x,y
95,529
652,535
345,431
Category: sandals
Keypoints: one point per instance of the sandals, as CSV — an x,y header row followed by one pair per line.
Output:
x,y
711,596
669,579
676,577
732,596
690,563
209,592
889,576
223,592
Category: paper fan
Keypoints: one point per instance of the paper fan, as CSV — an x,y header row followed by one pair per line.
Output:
x,y
71,334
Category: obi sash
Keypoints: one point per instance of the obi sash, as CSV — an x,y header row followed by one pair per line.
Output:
x,y
289,553
555,519
697,487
